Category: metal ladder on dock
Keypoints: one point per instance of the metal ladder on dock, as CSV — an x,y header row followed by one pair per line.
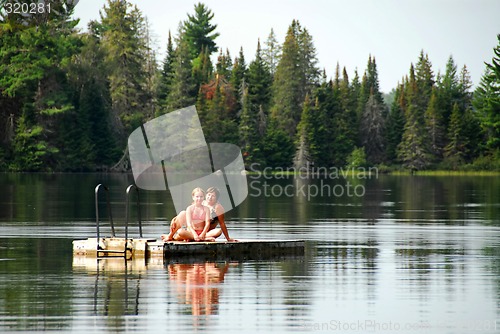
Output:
x,y
101,251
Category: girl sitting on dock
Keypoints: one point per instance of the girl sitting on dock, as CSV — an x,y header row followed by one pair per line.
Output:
x,y
216,218
197,221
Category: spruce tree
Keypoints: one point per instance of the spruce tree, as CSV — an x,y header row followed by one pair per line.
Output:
x,y
372,128
271,52
248,133
455,151
278,148
202,69
435,126
238,75
305,135
487,101
425,81
224,65
395,125
373,113
295,76
449,91
166,72
259,80
122,30
182,87
34,83
413,151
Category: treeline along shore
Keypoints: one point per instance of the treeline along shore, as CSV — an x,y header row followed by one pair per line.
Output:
x,y
70,98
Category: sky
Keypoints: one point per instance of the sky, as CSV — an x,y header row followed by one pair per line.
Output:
x,y
344,32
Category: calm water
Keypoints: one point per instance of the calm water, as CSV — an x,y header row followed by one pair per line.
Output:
x,y
396,255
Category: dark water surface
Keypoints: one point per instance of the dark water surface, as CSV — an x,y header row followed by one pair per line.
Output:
x,y
398,254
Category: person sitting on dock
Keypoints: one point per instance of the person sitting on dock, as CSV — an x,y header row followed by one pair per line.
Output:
x,y
197,221
216,214
216,218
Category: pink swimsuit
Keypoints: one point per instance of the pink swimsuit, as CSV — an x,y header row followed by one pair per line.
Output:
x,y
199,217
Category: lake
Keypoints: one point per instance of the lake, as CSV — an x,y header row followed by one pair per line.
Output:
x,y
385,254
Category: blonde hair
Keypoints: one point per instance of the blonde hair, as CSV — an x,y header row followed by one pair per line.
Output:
x,y
195,190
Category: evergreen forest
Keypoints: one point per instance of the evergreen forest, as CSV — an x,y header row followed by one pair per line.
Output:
x,y
70,98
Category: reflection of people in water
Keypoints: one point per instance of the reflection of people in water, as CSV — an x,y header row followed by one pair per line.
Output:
x,y
197,285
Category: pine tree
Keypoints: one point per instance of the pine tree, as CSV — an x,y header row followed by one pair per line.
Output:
x,y
199,31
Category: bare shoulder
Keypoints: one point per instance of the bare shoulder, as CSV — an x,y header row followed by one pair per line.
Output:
x,y
219,208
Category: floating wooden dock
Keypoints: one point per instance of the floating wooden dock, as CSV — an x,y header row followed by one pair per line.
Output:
x,y
233,251
174,250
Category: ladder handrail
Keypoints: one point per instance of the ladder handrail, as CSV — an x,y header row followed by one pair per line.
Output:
x,y
108,207
127,210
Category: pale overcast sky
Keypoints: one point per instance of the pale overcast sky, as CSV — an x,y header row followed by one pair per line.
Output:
x,y
347,32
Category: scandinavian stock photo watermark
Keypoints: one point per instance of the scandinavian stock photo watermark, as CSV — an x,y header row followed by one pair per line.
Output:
x,y
309,181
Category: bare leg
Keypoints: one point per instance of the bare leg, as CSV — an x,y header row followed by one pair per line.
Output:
x,y
214,234
183,235
176,223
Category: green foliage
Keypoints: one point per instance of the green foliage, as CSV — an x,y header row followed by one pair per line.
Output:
x,y
32,153
277,147
123,37
166,73
373,130
487,100
69,99
357,158
395,125
295,76
272,52
199,32
182,86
